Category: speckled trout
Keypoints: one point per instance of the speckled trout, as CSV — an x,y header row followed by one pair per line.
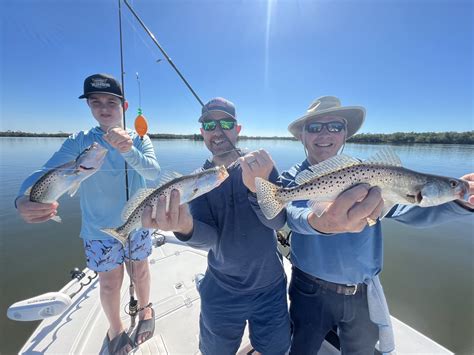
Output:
x,y
189,187
67,177
323,182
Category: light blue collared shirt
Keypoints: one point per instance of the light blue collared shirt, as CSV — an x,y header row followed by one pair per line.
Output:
x,y
103,196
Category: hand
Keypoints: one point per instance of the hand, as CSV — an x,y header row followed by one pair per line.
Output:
x,y
35,212
351,211
176,219
255,164
470,179
119,139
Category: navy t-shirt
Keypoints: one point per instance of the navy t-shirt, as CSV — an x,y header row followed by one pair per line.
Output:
x,y
242,243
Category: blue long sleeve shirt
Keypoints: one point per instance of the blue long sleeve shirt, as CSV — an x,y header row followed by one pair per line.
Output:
x,y
350,258
354,258
102,195
241,242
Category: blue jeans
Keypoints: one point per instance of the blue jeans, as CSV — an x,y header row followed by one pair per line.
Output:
x,y
315,310
224,315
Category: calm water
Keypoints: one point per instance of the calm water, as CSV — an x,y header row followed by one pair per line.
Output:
x,y
428,274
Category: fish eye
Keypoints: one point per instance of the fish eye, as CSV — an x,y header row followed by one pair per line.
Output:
x,y
453,183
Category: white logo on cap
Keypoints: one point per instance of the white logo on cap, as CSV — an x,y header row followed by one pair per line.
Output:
x,y
100,83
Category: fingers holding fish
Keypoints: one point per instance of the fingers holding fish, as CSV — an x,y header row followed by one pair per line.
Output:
x,y
347,199
372,218
175,217
148,220
470,179
368,207
35,212
340,217
173,212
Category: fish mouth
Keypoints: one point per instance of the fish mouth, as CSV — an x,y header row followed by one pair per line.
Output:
x,y
82,167
462,194
419,197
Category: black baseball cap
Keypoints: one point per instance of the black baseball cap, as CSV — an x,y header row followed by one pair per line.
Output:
x,y
101,84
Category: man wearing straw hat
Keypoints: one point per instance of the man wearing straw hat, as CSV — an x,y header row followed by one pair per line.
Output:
x,y
337,257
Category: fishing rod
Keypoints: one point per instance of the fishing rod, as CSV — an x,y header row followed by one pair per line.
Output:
x,y
152,36
167,57
133,303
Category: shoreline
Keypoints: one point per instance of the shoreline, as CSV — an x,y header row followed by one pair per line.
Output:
x,y
465,138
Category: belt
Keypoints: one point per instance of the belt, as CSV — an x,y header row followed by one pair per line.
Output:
x,y
346,290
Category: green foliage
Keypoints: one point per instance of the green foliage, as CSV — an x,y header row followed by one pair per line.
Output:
x,y
372,138
412,137
26,134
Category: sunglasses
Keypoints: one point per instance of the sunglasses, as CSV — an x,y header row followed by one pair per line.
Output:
x,y
211,125
333,127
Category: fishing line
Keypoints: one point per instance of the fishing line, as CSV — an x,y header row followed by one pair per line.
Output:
x,y
150,49
133,303
141,124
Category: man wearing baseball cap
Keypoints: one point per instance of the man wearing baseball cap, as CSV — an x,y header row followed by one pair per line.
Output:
x,y
337,257
245,280
102,198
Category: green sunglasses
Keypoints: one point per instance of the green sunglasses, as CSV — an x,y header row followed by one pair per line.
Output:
x,y
211,125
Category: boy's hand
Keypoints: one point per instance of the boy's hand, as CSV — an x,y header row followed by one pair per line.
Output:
x,y
35,212
119,139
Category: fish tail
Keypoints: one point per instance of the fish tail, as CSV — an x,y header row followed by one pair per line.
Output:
x,y
267,196
117,234
57,219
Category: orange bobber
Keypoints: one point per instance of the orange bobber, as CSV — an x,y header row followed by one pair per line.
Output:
x,y
141,126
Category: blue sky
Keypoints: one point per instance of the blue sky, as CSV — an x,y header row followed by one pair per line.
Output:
x,y
410,63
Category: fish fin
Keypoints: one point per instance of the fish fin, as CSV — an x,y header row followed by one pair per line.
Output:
x,y
74,187
267,197
326,167
386,156
133,203
168,176
113,233
319,207
390,199
387,206
56,219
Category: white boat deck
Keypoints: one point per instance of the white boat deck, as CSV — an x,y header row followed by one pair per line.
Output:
x,y
81,329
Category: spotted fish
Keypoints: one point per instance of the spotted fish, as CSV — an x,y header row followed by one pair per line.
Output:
x,y
67,177
323,182
189,187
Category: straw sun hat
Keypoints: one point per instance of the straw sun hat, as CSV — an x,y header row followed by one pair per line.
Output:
x,y
324,105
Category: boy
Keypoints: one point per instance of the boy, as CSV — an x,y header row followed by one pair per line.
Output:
x,y
102,197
